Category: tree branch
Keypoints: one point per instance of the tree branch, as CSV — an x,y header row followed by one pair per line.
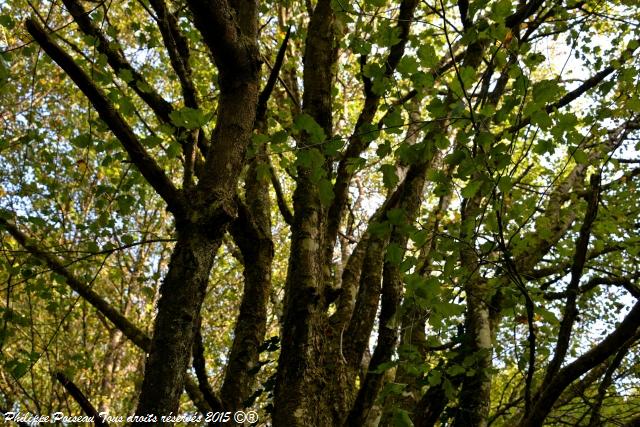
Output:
x,y
579,259
128,329
571,96
607,380
234,55
565,376
82,400
525,10
251,231
265,94
200,366
178,50
147,166
119,63
626,282
357,143
563,267
282,203
131,331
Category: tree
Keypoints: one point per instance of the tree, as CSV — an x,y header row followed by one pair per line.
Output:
x,y
396,212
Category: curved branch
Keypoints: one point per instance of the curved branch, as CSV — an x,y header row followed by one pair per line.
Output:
x,y
584,363
131,331
199,365
265,94
356,143
579,259
178,50
234,55
626,282
118,62
147,166
82,400
128,329
282,203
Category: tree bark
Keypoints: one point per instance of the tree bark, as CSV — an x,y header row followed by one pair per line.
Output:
x,y
181,297
300,391
252,233
475,396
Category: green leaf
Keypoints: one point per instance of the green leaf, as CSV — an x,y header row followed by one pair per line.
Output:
x,y
633,104
368,132
580,156
449,266
148,292
544,146
501,9
389,177
360,47
383,367
373,70
449,389
144,87
332,148
325,192
401,418
455,158
427,55
37,221
541,119
379,229
467,75
407,153
393,122
173,150
408,65
279,137
81,141
471,189
306,123
455,370
504,184
434,378
394,254
428,289
190,118
17,368
397,216
125,106
4,72
420,237
422,80
263,172
313,160
381,85
388,35
125,75
384,149
7,22
125,204
545,91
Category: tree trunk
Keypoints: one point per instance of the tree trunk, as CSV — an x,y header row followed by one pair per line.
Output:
x,y
252,233
300,374
475,396
181,297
